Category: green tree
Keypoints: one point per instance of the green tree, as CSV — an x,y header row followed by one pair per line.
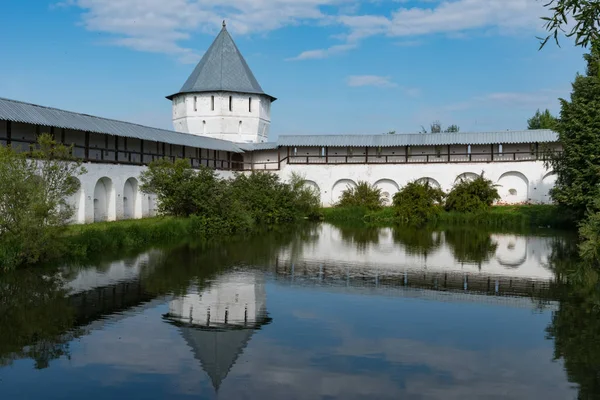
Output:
x,y
34,188
452,129
361,195
471,195
436,127
578,18
542,120
578,165
418,202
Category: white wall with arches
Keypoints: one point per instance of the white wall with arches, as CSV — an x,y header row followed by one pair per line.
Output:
x,y
518,182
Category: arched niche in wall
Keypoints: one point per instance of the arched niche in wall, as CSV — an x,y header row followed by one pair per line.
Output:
x,y
103,197
432,182
513,187
339,187
132,206
466,176
388,189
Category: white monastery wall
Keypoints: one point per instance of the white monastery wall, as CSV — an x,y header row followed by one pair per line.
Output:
x,y
518,182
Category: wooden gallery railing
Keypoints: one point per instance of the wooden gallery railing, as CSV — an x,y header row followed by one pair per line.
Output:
x,y
422,158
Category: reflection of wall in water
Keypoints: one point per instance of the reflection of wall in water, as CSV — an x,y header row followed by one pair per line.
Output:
x,y
237,299
518,256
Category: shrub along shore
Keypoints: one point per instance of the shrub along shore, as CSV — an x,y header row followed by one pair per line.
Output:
x,y
495,217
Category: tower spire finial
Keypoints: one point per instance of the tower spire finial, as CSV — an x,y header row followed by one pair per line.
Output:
x,y
224,24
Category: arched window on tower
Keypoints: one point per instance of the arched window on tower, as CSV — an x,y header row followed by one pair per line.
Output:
x,y
230,103
204,127
249,104
195,103
240,128
212,103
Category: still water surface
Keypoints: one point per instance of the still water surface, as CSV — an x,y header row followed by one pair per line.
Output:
x,y
316,312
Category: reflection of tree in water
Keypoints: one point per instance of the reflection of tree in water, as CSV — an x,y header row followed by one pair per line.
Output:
x,y
359,237
470,245
173,271
417,241
35,318
575,326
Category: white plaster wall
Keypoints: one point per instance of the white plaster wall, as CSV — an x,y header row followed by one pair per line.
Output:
x,y
193,113
143,205
530,179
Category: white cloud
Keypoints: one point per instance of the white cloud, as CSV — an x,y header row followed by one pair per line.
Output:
x,y
165,26
547,98
161,26
323,53
370,80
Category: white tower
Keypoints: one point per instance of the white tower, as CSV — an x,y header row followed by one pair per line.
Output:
x,y
222,98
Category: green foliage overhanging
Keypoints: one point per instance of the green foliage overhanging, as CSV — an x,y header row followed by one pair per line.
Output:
x,y
362,195
418,202
34,188
472,195
578,166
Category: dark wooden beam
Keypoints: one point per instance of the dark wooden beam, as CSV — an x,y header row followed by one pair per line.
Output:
x,y
87,146
8,132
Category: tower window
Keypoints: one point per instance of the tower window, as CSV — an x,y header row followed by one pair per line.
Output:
x,y
469,149
499,149
250,104
230,103
204,127
195,103
240,127
212,103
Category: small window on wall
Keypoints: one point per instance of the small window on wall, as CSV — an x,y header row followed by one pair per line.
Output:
x,y
195,103
240,127
250,104
295,151
212,103
204,127
469,149
322,151
500,149
230,103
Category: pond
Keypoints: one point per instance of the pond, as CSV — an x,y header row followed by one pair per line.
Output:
x,y
311,312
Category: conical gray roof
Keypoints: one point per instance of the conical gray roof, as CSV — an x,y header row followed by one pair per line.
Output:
x,y
222,68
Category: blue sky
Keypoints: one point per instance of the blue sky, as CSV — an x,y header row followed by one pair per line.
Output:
x,y
336,66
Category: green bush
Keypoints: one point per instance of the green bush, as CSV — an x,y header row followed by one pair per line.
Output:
x,y
33,207
589,232
362,195
418,202
472,195
237,203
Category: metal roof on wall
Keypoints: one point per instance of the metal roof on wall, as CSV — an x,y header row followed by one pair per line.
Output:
x,y
420,139
259,146
17,111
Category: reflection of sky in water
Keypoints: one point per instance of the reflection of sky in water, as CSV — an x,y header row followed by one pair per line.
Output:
x,y
320,344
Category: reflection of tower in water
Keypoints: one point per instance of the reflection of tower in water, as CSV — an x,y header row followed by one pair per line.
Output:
x,y
218,321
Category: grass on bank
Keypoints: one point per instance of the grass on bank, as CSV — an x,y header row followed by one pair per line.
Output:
x,y
86,241
513,217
